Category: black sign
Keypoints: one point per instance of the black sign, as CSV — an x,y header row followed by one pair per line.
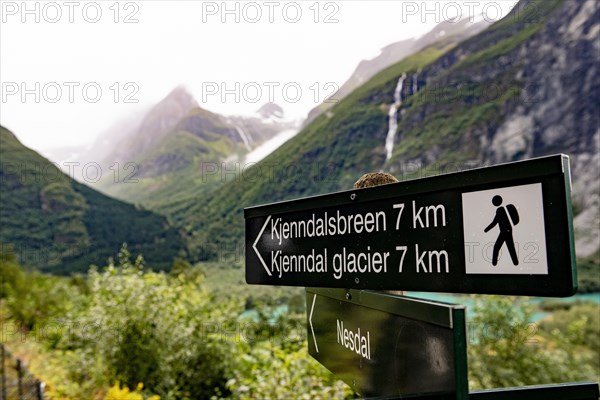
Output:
x,y
505,229
385,345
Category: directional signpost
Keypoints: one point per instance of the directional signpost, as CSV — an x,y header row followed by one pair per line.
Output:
x,y
505,229
499,230
385,345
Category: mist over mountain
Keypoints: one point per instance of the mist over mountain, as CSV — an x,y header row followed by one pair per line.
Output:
x,y
166,158
462,96
155,125
449,31
98,150
176,136
270,110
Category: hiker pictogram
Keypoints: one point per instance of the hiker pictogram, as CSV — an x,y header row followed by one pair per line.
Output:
x,y
498,238
505,221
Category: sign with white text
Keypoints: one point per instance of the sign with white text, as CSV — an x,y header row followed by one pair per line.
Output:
x,y
386,345
505,229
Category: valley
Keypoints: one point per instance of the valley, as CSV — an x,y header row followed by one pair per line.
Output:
x,y
130,284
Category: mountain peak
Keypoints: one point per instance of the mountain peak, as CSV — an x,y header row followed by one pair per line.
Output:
x,y
270,110
181,96
158,122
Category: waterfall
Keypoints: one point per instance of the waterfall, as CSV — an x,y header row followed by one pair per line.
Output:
x,y
245,138
393,122
415,85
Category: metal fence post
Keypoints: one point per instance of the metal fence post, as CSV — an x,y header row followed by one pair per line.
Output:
x,y
39,390
2,373
20,379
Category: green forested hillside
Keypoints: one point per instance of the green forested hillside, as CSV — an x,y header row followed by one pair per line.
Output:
x,y
327,155
171,169
51,222
455,102
161,163
450,31
336,148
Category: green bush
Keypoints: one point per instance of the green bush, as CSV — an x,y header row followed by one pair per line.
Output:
x,y
32,298
269,372
149,329
515,352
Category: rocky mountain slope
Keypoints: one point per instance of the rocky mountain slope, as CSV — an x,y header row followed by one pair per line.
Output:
x,y
447,31
157,159
527,86
532,91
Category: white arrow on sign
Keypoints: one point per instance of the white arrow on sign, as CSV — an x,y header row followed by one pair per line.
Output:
x,y
312,308
256,242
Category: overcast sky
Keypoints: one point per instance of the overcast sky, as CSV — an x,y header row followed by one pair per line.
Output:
x,y
70,69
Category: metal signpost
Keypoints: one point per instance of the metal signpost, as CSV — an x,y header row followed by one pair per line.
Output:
x,y
505,229
497,230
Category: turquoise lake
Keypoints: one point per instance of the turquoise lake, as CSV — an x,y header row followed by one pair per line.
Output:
x,y
448,298
458,299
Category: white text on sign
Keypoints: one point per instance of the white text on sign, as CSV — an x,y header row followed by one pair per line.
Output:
x,y
353,259
354,340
